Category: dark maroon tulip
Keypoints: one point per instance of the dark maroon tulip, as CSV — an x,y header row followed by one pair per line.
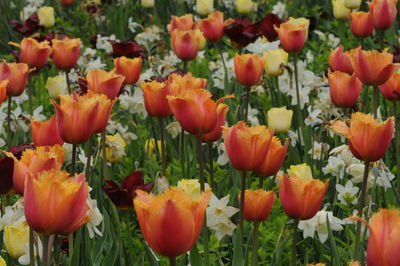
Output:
x,y
266,26
27,27
122,196
243,31
130,49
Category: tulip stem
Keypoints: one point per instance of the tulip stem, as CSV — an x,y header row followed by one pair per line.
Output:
x,y
70,245
73,159
185,66
30,87
361,204
254,244
246,105
294,243
9,139
67,81
376,101
211,163
172,261
242,195
163,155
182,152
397,146
104,155
31,246
47,247
300,115
89,157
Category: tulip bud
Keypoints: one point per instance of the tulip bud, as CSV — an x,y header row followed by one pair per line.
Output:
x,y
204,7
129,68
57,86
302,171
339,10
391,88
293,34
339,61
186,44
16,74
216,133
213,26
383,13
46,16
103,82
147,3
275,157
275,61
3,90
115,148
155,98
352,4
248,68
34,53
16,236
66,52
244,6
344,88
279,119
257,204
183,23
361,24
46,133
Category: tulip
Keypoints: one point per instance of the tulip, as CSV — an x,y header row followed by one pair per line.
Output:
x,y
383,13
368,139
275,61
67,2
275,157
46,133
122,196
147,3
178,84
3,90
247,147
130,49
204,7
344,88
115,148
129,68
56,86
46,16
339,9
361,24
155,98
55,203
2,261
242,31
248,68
293,34
391,88
34,53
35,161
171,221
244,6
216,133
103,82
66,52
183,23
372,67
187,43
339,61
301,198
75,118
352,4
258,204
279,119
302,171
16,74
213,26
16,236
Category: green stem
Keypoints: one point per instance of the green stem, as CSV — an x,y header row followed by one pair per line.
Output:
x,y
31,246
242,195
47,249
104,153
361,204
246,105
254,247
89,157
185,66
67,80
294,243
376,101
70,244
182,151
211,164
172,261
163,154
30,88
397,143
9,138
299,113
73,159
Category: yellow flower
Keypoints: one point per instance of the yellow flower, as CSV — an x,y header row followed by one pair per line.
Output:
x,y
16,236
150,145
2,261
204,7
279,119
46,16
147,3
115,148
56,86
352,4
339,10
244,6
302,171
275,60
190,187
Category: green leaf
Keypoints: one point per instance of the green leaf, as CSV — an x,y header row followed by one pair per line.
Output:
x,y
150,255
195,258
334,253
237,249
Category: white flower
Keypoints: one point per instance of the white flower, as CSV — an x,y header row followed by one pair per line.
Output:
x,y
103,42
319,224
218,216
25,259
345,154
173,128
94,64
383,179
67,151
95,218
279,9
133,25
312,119
318,149
294,137
357,172
333,41
335,167
222,155
133,103
12,213
348,193
252,116
218,71
261,45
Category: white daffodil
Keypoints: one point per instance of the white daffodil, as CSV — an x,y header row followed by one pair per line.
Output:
x,y
173,128
348,193
95,218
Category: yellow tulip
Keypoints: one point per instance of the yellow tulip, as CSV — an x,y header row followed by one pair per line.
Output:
x,y
2,261
339,10
302,171
244,6
279,119
46,16
56,85
147,3
16,236
275,61
191,187
204,7
115,148
150,145
352,4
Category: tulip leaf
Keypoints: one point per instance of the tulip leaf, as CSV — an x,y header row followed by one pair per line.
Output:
x,y
153,261
76,253
195,258
237,249
334,253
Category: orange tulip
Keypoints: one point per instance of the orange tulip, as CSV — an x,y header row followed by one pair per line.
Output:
x,y
383,13
216,133
361,24
186,44
258,204
17,75
368,139
3,90
155,98
391,88
34,53
275,157
213,26
339,61
247,147
75,118
181,23
103,82
248,68
372,67
344,88
46,133
33,162
301,198
55,203
129,68
293,34
66,52
171,221
178,83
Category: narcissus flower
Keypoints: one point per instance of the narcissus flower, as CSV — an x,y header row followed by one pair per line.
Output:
x,y
182,23
339,9
34,53
129,68
75,118
103,82
300,196
33,162
383,13
16,236
275,61
155,98
46,16
46,133
340,61
213,26
66,52
187,43
258,204
204,7
391,88
16,74
171,221
248,68
368,139
216,133
361,24
344,88
372,67
275,157
247,147
293,34
56,203
279,119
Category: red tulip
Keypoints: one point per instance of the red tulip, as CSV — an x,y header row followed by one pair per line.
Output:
x,y
344,88
339,61
46,133
391,88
